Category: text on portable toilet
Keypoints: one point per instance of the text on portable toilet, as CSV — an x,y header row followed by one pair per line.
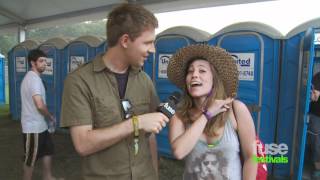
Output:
x,y
75,62
245,64
163,65
21,64
49,67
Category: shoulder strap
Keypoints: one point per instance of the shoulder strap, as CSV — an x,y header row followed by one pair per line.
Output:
x,y
235,115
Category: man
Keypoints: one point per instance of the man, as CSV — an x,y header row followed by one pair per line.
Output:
x,y
115,145
37,141
315,124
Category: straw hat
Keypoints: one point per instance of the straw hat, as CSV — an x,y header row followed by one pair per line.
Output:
x,y
222,61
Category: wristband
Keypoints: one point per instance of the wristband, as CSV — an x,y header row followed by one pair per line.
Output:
x,y
207,114
135,122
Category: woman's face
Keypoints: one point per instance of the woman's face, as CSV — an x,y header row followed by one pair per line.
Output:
x,y
199,78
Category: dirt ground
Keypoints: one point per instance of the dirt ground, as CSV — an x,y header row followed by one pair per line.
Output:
x,y
66,162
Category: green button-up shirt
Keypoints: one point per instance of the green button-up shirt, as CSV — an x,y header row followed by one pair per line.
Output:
x,y
91,97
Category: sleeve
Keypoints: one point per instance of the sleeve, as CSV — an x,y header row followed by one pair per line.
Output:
x,y
154,98
76,106
35,86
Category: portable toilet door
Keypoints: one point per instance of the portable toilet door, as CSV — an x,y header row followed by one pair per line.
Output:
x,y
2,80
316,65
102,47
18,67
77,52
294,99
255,48
54,50
167,43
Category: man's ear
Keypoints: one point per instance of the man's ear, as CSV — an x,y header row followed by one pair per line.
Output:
x,y
32,63
124,40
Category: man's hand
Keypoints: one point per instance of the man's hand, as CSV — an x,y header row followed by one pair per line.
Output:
x,y
152,122
53,120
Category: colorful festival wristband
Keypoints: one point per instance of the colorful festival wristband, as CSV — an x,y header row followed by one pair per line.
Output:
x,y
207,114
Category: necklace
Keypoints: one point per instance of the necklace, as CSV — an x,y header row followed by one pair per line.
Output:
x,y
214,144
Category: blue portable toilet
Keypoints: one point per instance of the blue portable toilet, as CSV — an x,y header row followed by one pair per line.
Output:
x,y
167,43
255,48
77,52
51,76
316,66
102,47
18,67
295,84
2,80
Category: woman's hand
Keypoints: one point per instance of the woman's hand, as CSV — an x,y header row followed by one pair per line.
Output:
x,y
219,106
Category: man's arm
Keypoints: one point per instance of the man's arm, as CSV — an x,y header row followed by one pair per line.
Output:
x,y
42,108
88,140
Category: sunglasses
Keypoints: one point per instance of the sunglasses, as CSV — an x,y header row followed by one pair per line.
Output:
x,y
126,108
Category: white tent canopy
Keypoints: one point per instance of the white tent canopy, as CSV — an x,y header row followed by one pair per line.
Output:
x,y
17,15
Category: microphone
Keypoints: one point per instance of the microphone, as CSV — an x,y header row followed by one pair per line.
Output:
x,y
168,108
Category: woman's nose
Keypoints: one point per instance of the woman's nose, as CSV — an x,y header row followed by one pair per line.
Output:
x,y
195,74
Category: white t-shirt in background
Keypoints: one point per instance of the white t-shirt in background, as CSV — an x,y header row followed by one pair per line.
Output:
x,y
31,119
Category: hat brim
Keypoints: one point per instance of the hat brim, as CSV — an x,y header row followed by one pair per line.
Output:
x,y
222,61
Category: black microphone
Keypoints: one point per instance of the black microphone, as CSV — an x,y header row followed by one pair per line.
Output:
x,y
168,107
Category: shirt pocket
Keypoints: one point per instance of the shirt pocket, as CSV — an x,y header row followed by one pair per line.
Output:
x,y
141,106
106,112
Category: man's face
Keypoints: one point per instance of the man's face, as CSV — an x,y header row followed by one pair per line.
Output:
x,y
139,49
315,94
40,65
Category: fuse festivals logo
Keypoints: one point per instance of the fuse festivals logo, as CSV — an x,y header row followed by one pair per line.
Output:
x,y
274,153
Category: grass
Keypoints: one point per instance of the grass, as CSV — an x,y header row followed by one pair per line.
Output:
x,y
4,110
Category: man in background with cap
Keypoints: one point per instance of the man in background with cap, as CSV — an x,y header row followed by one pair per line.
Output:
x,y
315,124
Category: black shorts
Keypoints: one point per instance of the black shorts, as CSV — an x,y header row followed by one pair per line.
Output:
x,y
36,146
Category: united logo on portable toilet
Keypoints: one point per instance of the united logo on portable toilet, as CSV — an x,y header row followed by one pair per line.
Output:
x,y
245,64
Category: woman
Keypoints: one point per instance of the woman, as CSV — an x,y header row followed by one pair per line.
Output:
x,y
208,121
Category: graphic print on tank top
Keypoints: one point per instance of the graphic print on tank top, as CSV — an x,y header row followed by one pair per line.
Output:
x,y
210,165
218,162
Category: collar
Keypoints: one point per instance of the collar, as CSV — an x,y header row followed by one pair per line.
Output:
x,y
98,66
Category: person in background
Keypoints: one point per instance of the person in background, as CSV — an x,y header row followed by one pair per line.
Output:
x,y
315,124
109,103
36,138
208,122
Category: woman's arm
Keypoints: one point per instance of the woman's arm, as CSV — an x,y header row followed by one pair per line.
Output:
x,y
247,135
183,140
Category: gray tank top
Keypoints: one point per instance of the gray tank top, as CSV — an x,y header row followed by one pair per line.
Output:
x,y
221,162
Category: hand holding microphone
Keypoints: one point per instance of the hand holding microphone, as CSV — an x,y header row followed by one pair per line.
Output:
x,y
154,122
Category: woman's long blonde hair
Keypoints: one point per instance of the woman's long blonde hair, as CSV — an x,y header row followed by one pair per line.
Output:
x,y
218,92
